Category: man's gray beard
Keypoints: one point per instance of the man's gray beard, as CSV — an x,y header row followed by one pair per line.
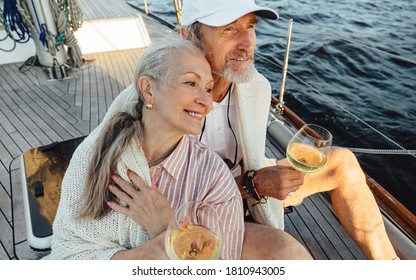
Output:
x,y
241,75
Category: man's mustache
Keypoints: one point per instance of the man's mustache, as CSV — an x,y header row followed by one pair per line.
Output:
x,y
240,54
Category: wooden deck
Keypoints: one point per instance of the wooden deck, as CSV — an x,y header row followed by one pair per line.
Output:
x,y
34,114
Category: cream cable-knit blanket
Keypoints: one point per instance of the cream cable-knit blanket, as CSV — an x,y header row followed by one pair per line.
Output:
x,y
253,103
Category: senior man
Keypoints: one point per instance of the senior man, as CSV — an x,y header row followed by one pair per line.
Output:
x,y
236,129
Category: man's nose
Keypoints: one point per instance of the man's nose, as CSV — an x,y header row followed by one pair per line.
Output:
x,y
246,40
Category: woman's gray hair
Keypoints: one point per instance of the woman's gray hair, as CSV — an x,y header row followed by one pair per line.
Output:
x,y
155,63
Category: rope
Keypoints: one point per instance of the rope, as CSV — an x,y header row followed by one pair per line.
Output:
x,y
12,20
68,18
43,29
75,19
29,63
75,15
402,150
26,17
347,111
383,152
8,33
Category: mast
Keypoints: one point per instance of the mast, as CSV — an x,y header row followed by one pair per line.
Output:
x,y
279,106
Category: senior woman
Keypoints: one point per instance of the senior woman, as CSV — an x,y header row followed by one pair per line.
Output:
x,y
101,216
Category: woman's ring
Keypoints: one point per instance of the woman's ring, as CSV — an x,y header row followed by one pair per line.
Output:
x,y
290,194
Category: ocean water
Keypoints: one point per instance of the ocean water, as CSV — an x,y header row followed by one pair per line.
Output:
x,y
358,59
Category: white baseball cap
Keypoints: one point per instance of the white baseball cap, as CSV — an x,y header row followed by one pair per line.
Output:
x,y
221,12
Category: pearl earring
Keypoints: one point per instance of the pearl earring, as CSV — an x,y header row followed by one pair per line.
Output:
x,y
149,106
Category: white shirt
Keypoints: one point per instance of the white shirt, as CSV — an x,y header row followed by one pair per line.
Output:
x,y
218,135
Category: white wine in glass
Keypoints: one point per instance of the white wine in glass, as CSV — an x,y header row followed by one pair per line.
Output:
x,y
194,233
308,149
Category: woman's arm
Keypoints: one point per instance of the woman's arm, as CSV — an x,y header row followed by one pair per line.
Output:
x,y
154,249
76,238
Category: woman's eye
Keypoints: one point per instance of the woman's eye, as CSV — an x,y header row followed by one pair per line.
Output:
x,y
209,90
191,83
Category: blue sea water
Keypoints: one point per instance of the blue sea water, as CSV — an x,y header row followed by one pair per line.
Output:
x,y
353,87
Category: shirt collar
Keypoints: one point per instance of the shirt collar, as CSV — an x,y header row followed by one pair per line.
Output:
x,y
224,101
175,162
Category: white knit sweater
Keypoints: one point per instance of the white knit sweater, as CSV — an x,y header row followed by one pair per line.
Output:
x,y
253,103
81,238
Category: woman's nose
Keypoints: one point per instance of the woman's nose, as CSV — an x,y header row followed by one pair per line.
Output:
x,y
204,98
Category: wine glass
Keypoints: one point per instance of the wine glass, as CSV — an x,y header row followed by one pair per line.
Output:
x,y
194,233
308,149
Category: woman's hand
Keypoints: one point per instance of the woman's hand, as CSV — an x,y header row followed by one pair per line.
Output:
x,y
146,205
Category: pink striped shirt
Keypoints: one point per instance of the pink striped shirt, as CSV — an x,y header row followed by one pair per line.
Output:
x,y
194,173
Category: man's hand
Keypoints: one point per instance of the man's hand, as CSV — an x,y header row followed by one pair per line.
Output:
x,y
278,181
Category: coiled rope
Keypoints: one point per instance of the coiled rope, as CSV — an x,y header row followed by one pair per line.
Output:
x,y
8,33
21,24
68,17
402,150
12,20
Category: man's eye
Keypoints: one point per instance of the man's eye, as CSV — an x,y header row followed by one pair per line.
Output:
x,y
229,29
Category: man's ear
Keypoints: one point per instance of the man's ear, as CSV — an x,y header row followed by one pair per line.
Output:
x,y
145,85
182,32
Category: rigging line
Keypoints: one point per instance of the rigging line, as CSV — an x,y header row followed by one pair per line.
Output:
x,y
348,112
354,42
335,103
382,151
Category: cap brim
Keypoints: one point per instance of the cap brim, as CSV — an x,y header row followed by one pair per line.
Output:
x,y
232,13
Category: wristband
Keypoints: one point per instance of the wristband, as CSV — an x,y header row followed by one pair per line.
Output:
x,y
248,184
